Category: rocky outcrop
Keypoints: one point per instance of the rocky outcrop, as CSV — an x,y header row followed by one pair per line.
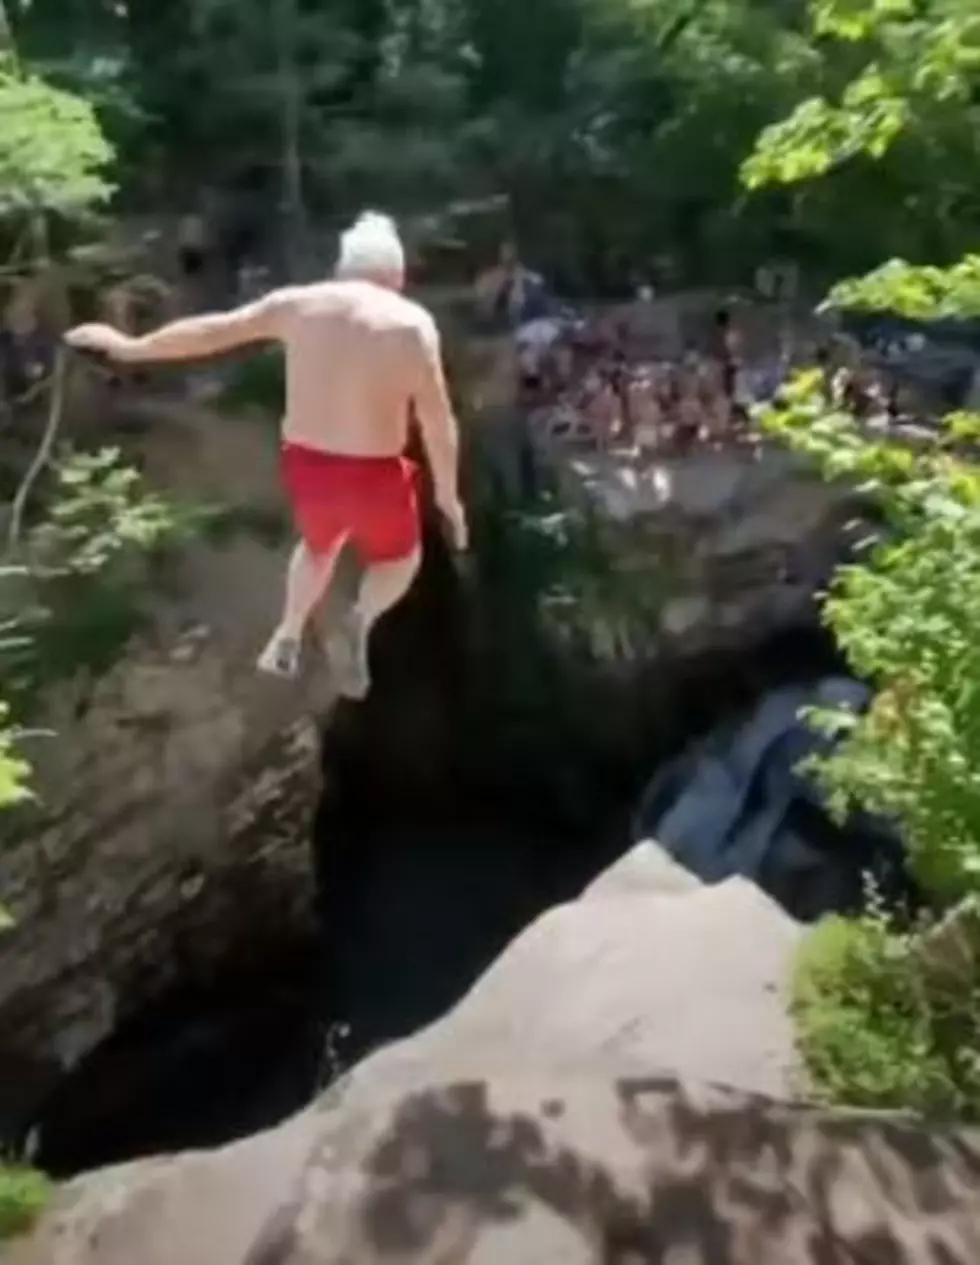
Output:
x,y
539,1170
710,550
694,552
175,794
742,802
566,1111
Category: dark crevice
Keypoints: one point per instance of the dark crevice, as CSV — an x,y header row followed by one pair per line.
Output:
x,y
446,826
206,1062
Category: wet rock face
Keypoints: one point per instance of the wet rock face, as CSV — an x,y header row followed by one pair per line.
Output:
x,y
172,820
176,794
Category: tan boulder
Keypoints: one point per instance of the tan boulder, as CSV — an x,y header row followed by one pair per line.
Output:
x,y
561,1115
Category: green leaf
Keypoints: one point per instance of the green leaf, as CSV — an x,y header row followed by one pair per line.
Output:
x,y
53,155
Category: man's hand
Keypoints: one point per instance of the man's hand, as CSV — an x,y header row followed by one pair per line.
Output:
x,y
102,340
455,516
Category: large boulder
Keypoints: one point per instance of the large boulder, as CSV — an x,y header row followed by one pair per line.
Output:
x,y
536,1169
563,1113
708,550
587,986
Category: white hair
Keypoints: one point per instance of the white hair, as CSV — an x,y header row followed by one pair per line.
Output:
x,y
371,247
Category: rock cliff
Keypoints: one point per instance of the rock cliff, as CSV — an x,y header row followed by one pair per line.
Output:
x,y
567,1110
175,795
174,803
732,545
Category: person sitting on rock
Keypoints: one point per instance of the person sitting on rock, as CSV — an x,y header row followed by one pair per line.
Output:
x,y
602,410
606,410
727,350
487,290
560,366
360,358
688,414
666,386
534,342
858,392
644,411
561,422
716,407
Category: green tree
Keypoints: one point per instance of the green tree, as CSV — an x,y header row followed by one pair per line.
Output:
x,y
905,615
884,1019
52,161
53,155
891,139
613,127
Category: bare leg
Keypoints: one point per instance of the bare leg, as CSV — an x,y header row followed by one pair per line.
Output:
x,y
307,579
383,585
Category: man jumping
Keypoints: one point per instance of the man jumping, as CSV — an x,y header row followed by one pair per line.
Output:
x,y
360,357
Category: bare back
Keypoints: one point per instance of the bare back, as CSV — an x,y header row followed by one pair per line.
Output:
x,y
355,360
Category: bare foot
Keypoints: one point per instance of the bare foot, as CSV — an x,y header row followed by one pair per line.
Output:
x,y
347,654
280,657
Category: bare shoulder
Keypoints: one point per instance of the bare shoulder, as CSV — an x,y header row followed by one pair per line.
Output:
x,y
272,309
418,318
299,298
394,311
415,312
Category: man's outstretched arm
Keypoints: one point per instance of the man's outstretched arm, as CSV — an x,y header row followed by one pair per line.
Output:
x,y
191,338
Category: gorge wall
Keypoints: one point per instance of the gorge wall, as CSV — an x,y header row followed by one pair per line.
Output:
x,y
175,798
517,713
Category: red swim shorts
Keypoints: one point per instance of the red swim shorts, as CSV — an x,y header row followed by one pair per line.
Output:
x,y
371,502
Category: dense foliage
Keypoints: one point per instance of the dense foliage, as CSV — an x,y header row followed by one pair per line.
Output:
x,y
896,119
615,128
906,616
52,160
919,292
24,1193
877,1027
53,154
874,1032
65,588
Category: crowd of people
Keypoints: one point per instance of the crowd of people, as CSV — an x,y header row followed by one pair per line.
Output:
x,y
624,382
638,378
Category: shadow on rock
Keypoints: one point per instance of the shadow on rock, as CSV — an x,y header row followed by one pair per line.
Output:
x,y
636,1175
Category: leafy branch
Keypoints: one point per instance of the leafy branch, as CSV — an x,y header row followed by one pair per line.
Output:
x,y
920,60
